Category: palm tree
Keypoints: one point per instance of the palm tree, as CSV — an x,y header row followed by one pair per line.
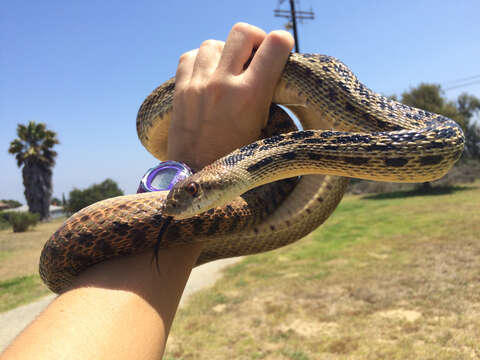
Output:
x,y
33,151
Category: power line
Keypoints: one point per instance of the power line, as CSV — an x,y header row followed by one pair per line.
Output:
x,y
462,80
462,85
293,15
459,83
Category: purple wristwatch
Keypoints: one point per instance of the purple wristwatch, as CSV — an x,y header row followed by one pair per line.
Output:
x,y
163,176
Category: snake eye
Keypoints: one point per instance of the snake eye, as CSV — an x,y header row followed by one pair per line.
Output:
x,y
192,189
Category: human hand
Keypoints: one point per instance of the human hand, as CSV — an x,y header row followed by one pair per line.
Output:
x,y
219,105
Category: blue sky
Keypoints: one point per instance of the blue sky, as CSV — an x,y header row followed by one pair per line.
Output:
x,y
84,67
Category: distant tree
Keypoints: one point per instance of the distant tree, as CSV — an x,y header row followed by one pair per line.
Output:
x,y
430,97
427,97
11,203
33,151
55,201
468,106
78,199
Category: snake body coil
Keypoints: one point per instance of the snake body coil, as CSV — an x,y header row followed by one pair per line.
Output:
x,y
348,131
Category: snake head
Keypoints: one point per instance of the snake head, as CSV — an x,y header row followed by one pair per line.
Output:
x,y
193,195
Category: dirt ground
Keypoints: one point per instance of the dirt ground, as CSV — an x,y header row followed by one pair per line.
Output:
x,y
424,306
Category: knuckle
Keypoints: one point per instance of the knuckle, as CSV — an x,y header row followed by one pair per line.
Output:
x,y
194,89
219,45
187,92
241,26
179,94
208,43
281,37
248,30
216,85
187,56
219,88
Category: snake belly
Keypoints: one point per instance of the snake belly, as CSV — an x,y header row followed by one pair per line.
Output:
x,y
348,131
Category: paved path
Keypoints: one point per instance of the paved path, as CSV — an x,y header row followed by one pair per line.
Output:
x,y
14,321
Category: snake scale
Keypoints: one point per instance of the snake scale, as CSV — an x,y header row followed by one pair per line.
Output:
x,y
348,131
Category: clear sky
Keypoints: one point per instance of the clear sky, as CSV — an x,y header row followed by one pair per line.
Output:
x,y
84,67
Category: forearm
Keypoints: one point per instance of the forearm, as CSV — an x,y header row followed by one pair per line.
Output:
x,y
120,309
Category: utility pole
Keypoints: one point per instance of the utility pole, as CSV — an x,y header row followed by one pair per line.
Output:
x,y
293,16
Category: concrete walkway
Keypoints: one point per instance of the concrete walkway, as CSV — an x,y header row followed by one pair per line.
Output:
x,y
14,321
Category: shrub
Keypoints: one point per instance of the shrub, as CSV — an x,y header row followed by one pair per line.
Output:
x,y
4,224
5,219
11,203
21,221
5,215
78,199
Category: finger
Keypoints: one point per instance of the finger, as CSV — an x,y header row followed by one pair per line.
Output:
x,y
185,68
269,60
207,59
241,41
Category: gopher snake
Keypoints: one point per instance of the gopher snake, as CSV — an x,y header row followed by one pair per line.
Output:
x,y
363,135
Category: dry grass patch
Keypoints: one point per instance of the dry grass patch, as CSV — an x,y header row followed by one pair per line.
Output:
x,y
394,278
19,257
20,252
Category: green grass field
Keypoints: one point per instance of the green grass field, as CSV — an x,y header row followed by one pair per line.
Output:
x,y
20,290
391,276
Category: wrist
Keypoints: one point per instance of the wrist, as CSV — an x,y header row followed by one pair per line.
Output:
x,y
139,273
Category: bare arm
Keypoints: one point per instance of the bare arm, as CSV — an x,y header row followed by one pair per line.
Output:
x,y
120,309
123,308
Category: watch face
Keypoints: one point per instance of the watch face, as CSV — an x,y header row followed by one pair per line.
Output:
x,y
163,176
